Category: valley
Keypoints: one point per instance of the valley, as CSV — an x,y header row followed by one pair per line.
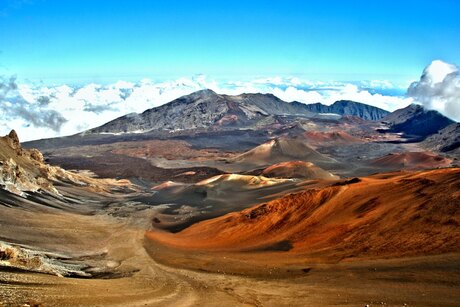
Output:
x,y
241,200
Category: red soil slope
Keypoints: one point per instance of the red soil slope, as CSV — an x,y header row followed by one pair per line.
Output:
x,y
297,169
389,215
281,150
412,160
336,137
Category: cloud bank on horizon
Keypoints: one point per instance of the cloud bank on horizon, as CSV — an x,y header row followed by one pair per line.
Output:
x,y
49,111
438,89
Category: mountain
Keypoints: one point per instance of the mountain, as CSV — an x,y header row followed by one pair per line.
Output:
x,y
446,140
416,120
346,107
205,109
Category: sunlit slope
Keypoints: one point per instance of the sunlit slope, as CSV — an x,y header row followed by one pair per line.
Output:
x,y
389,215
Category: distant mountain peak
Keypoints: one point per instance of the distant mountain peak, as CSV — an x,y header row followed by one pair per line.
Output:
x,y
416,120
203,93
260,95
348,107
204,109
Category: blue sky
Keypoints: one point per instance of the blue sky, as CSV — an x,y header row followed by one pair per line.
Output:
x,y
341,40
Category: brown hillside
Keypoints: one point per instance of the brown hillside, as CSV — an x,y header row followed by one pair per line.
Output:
x,y
390,215
412,160
297,169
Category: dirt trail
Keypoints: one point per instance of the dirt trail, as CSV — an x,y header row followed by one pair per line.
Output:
x,y
122,242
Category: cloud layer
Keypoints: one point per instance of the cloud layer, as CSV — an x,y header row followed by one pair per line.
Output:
x,y
439,89
38,111
35,114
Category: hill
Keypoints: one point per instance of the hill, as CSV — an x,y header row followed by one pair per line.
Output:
x,y
297,169
411,160
281,150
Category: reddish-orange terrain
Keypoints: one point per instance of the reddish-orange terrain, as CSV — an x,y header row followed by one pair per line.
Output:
x,y
297,169
386,215
335,137
412,160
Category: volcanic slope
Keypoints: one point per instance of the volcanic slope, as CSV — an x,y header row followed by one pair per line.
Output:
x,y
207,109
203,109
185,204
446,140
330,138
281,150
387,215
411,160
296,169
414,120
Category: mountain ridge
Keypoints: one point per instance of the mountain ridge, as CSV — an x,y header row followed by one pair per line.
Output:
x,y
204,109
348,107
207,109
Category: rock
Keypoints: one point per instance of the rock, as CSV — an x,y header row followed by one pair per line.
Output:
x,y
36,155
14,138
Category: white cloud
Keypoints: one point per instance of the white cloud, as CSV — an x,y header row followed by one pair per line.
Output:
x,y
381,84
91,105
293,94
439,89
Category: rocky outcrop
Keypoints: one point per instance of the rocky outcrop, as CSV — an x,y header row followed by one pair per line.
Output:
x,y
23,171
13,140
17,180
446,140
